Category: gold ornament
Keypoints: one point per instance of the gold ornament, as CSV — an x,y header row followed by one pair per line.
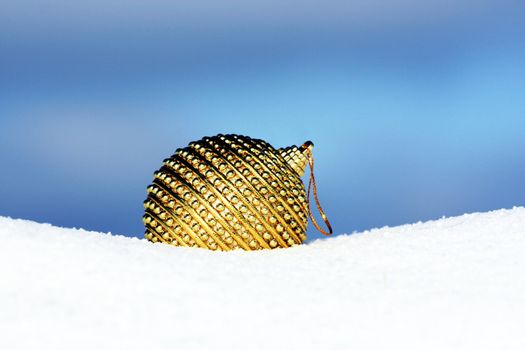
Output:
x,y
228,192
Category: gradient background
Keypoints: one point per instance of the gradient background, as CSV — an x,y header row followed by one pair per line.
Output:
x,y
417,109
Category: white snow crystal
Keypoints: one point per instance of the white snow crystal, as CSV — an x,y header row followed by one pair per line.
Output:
x,y
456,283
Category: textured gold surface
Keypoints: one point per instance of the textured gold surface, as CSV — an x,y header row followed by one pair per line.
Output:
x,y
228,192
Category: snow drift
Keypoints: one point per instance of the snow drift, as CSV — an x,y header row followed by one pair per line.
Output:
x,y
456,283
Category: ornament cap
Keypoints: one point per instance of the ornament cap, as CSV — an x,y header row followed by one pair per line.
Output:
x,y
308,144
297,157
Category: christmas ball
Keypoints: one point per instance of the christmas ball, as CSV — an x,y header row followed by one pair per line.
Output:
x,y
230,192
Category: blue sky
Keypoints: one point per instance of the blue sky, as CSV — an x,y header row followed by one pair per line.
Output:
x,y
417,111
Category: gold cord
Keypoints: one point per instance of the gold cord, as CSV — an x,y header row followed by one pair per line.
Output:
x,y
311,184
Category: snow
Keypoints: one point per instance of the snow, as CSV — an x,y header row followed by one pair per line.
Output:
x,y
455,283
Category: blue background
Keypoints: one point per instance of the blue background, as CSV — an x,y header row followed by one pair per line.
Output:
x,y
417,110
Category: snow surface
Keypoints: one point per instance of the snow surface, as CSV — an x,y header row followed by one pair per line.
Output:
x,y
456,283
